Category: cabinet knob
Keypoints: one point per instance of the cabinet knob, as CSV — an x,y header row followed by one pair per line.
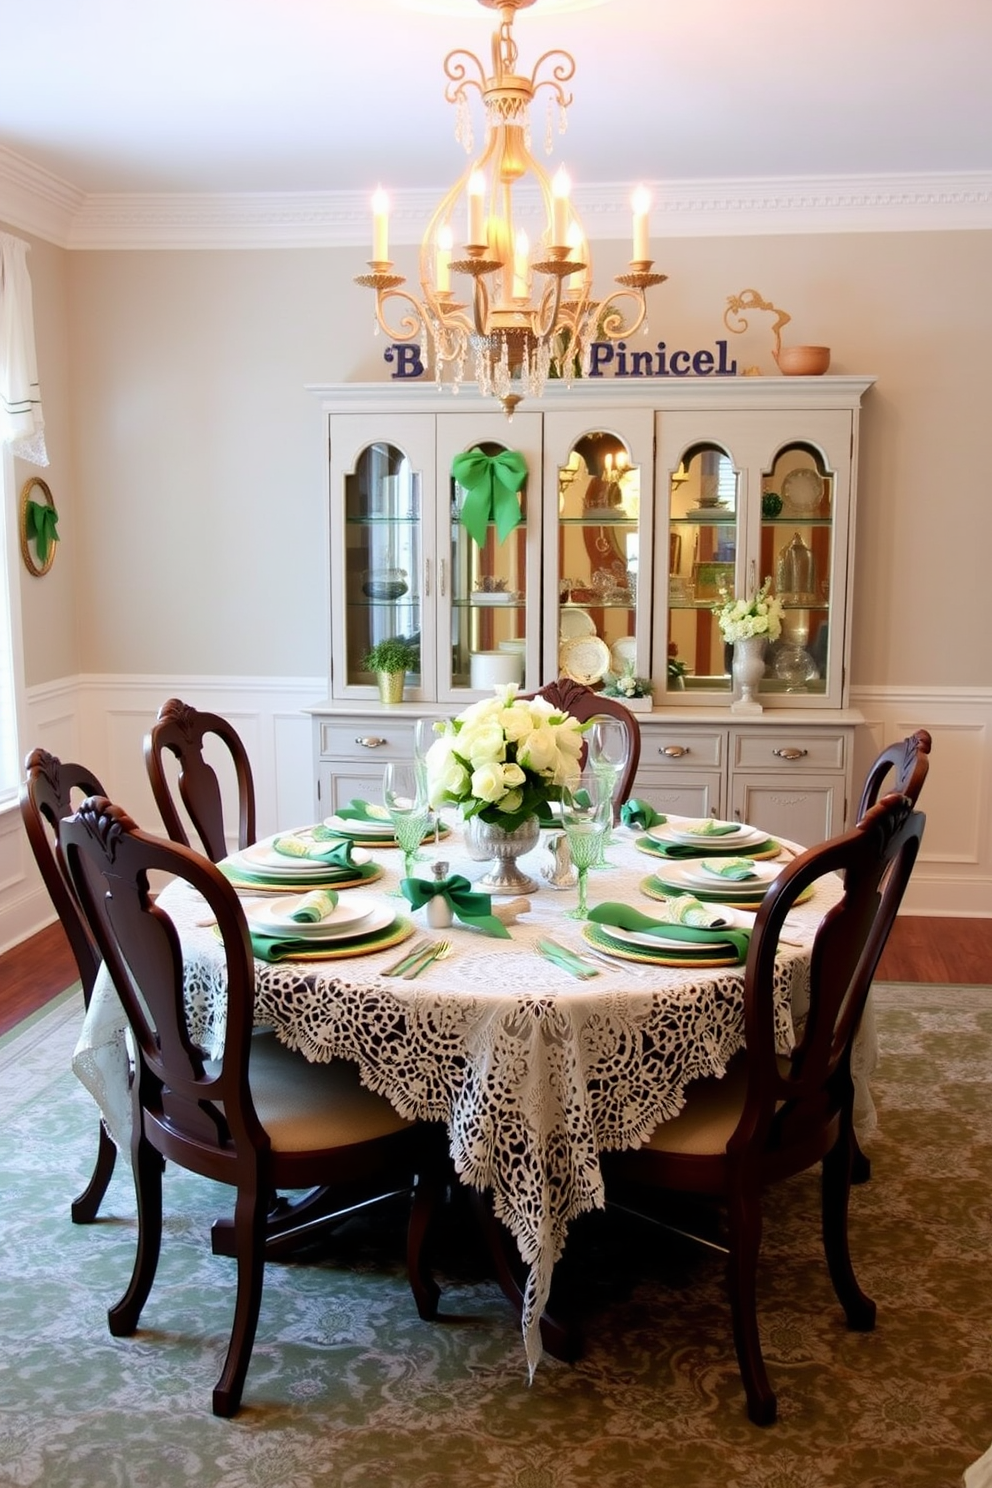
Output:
x,y
790,754
675,751
371,742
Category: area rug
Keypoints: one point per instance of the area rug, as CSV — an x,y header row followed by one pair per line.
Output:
x,y
348,1387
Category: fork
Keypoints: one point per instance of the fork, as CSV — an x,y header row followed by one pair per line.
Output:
x,y
436,952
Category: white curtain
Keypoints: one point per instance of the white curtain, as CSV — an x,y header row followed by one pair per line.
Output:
x,y
22,424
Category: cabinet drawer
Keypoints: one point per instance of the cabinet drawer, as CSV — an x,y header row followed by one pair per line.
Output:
x,y
365,739
788,749
697,749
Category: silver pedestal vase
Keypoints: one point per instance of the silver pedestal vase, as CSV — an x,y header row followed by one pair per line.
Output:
x,y
488,840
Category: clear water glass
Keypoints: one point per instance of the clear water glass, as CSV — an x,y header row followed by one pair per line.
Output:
x,y
608,747
585,815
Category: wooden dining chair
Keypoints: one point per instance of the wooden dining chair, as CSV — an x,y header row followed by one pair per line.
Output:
x,y
907,762
259,1118
47,795
181,730
774,1115
584,703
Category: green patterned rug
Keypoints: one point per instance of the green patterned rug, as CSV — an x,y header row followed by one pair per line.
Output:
x,y
348,1387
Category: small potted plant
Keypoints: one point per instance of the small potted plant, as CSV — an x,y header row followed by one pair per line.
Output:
x,y
390,660
633,691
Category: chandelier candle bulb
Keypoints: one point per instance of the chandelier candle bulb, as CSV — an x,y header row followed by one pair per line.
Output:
x,y
380,226
443,262
477,209
560,187
641,202
521,251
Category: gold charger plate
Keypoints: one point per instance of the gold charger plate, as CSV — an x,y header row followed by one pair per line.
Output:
x,y
339,949
368,873
601,940
655,889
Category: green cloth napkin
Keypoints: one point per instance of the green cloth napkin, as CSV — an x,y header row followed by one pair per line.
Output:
x,y
686,909
466,905
491,483
625,917
288,947
315,906
361,811
637,813
562,957
336,851
683,850
710,828
733,868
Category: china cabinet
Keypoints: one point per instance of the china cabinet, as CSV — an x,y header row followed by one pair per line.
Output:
x,y
640,502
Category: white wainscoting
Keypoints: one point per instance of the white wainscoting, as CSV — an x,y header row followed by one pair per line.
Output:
x,y
101,721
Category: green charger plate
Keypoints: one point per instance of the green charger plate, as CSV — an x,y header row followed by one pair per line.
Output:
x,y
706,957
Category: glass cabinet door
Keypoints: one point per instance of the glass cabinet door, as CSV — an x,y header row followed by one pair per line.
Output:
x,y
489,595
598,487
380,548
754,496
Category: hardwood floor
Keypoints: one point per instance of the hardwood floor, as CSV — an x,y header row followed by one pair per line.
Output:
x,y
919,950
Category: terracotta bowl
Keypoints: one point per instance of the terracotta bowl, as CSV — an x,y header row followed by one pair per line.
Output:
x,y
803,361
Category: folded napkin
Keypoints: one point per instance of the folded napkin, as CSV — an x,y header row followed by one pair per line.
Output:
x,y
466,905
625,917
733,868
686,909
362,811
316,848
710,828
636,813
315,906
699,849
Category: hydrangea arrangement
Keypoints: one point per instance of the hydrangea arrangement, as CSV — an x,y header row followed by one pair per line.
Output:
x,y
628,685
503,758
761,615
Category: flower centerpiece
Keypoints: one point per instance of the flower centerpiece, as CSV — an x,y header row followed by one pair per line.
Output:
x,y
502,760
629,688
748,624
740,619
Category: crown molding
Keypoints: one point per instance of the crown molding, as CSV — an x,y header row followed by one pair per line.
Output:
x,y
40,203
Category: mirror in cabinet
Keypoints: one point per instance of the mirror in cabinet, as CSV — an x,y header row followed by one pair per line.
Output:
x,y
703,528
488,593
796,550
383,540
599,542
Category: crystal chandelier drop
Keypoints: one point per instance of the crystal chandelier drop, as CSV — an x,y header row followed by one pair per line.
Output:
x,y
525,312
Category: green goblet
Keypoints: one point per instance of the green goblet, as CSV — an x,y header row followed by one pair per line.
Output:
x,y
585,815
404,796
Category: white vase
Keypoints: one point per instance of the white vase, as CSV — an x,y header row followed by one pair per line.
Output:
x,y
749,668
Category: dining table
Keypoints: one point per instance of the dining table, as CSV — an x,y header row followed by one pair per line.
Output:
x,y
533,1070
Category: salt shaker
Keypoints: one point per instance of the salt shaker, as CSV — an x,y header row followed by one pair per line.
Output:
x,y
438,910
557,868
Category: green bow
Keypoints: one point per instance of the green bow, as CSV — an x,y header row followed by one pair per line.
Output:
x,y
466,905
491,483
41,522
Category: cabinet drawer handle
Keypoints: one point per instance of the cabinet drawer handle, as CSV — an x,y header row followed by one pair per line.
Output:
x,y
371,742
790,754
675,751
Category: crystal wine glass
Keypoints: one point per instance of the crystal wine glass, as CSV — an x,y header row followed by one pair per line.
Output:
x,y
608,750
404,795
425,732
585,814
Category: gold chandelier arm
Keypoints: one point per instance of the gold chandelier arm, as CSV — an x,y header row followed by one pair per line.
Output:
x,y
456,69
611,324
410,324
562,72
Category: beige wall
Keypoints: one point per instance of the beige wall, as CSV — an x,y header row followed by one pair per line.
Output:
x,y
188,463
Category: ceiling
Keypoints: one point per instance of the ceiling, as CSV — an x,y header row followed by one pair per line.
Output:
x,y
322,96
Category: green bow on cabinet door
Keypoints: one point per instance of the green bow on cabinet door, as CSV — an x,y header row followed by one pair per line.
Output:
x,y
491,484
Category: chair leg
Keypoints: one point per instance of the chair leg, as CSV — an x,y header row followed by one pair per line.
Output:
x,y
249,1225
148,1168
835,1193
84,1208
426,1292
744,1219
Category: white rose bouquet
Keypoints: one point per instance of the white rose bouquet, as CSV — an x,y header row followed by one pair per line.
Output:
x,y
503,758
761,615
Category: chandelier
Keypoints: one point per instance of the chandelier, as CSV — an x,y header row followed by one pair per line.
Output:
x,y
524,313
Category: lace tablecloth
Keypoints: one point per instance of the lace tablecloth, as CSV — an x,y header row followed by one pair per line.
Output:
x,y
533,1072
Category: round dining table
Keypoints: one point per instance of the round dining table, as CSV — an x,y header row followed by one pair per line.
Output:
x,y
533,1071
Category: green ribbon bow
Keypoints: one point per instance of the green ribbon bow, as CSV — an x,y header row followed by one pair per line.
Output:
x,y
491,483
465,904
636,813
41,523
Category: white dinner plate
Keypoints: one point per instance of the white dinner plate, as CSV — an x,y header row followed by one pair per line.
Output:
x,y
575,623
745,837
698,875
623,652
274,918
730,920
264,855
352,828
